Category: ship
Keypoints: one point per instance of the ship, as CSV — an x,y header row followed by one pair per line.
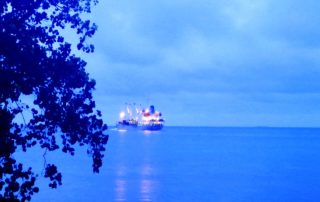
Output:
x,y
151,119
138,118
127,119
127,124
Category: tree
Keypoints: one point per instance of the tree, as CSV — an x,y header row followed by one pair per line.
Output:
x,y
36,61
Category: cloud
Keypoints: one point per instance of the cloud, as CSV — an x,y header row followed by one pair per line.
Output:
x,y
186,55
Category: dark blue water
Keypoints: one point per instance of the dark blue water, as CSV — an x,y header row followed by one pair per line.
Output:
x,y
195,164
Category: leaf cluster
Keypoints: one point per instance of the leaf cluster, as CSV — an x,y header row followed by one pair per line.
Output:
x,y
35,60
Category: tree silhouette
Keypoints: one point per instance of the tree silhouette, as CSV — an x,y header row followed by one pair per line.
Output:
x,y
37,62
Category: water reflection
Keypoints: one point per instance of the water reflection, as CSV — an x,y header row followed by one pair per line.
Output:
x,y
120,183
150,132
121,171
146,188
146,184
131,185
147,170
120,190
135,173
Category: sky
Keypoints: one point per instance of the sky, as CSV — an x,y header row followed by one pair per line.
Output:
x,y
209,62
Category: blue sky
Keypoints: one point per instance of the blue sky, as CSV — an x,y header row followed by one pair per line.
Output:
x,y
210,63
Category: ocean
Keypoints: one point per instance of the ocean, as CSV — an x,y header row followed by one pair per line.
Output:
x,y
192,164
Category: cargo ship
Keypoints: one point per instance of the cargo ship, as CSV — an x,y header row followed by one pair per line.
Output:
x,y
137,118
151,119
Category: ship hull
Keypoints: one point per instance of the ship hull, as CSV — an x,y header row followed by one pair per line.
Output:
x,y
152,127
132,125
125,125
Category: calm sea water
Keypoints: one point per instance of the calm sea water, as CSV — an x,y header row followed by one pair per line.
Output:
x,y
193,164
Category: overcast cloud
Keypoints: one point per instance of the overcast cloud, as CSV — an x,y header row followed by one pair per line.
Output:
x,y
216,63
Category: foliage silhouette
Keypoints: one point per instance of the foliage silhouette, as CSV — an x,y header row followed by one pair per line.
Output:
x,y
37,62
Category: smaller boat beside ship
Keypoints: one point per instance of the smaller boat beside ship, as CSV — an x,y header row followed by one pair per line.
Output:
x,y
127,124
126,120
144,119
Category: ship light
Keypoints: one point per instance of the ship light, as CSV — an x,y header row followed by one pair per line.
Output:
x,y
122,115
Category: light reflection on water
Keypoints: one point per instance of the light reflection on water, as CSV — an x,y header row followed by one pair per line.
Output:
x,y
121,171
120,189
135,181
146,189
120,184
150,132
145,185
